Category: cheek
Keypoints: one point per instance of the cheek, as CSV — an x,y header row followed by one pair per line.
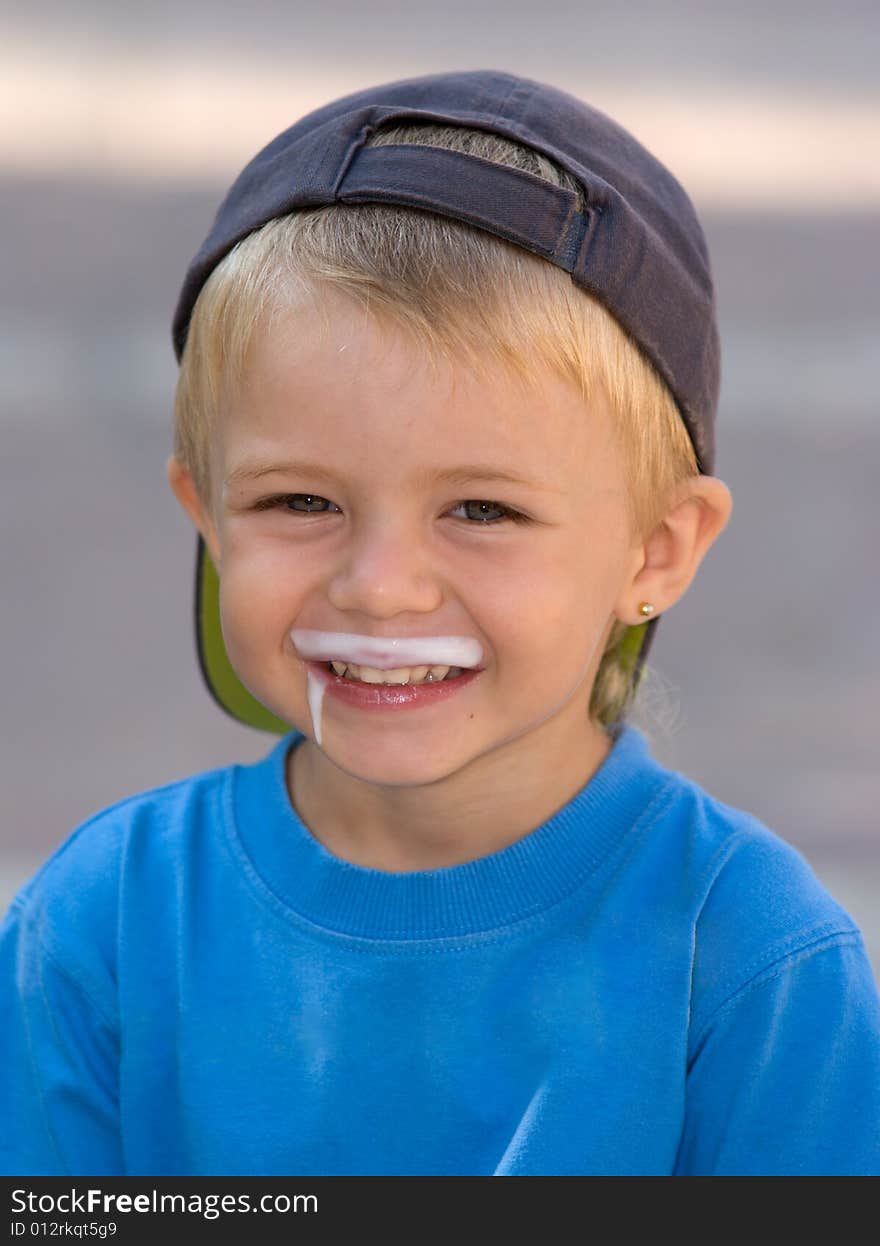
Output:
x,y
549,622
553,603
258,595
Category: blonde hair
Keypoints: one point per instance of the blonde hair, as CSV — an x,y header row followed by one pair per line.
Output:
x,y
463,293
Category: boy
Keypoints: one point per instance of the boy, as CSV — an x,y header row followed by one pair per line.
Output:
x,y
449,367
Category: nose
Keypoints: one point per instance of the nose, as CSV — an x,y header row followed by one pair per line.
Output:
x,y
384,571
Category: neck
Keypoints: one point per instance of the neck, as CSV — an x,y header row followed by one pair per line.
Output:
x,y
481,808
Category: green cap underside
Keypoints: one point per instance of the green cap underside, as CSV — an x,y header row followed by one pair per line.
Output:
x,y
225,686
630,648
230,693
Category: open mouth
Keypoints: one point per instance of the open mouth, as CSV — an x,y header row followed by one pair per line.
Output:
x,y
406,676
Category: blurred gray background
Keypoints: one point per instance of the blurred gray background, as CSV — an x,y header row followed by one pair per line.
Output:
x,y
121,126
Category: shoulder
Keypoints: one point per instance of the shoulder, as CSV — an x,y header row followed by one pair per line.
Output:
x,y
741,897
738,874
79,887
725,865
759,905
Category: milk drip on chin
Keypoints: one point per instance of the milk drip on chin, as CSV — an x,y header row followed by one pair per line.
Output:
x,y
316,699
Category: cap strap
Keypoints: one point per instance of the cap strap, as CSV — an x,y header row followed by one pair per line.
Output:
x,y
512,203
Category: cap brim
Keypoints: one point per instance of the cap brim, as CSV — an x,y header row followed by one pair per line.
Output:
x,y
223,683
232,696
634,649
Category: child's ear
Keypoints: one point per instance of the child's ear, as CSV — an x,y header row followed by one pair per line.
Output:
x,y
674,550
184,489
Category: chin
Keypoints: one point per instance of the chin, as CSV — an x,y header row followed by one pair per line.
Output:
x,y
389,762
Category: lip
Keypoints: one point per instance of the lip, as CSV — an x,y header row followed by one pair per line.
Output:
x,y
389,696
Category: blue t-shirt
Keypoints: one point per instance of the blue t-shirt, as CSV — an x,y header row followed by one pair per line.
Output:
x,y
651,982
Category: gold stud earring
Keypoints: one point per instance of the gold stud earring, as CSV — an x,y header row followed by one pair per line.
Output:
x,y
646,608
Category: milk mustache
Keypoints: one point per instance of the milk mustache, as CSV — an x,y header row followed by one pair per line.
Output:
x,y
383,652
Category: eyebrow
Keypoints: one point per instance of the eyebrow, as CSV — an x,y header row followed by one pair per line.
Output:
x,y
446,475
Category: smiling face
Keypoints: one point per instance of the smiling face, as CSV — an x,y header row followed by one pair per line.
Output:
x,y
356,491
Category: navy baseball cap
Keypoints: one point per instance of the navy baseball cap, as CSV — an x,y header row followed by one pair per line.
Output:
x,y
637,245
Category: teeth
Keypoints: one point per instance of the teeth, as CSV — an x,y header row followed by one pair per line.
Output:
x,y
370,675
401,675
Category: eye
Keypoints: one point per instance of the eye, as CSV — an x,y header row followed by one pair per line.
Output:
x,y
302,503
477,510
480,511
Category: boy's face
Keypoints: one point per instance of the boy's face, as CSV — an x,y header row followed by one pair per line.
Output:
x,y
373,544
